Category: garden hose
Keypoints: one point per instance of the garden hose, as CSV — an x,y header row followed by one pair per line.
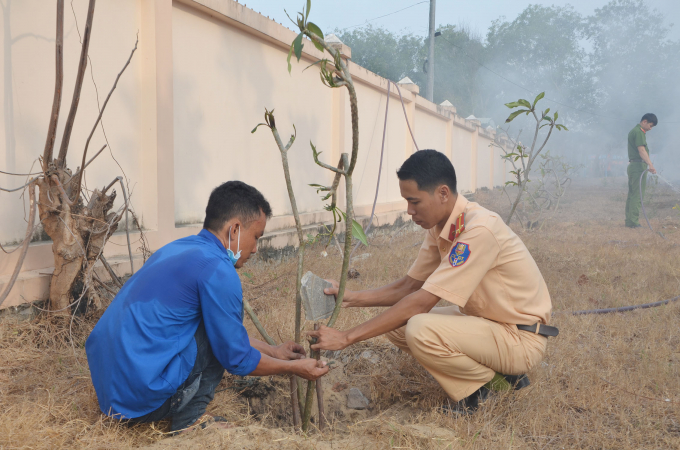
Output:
x,y
632,307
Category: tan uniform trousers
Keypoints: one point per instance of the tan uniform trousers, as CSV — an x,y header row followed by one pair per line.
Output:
x,y
463,352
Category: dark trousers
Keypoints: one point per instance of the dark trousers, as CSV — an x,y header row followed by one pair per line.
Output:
x,y
190,401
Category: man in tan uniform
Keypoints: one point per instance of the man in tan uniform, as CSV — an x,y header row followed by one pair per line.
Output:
x,y
472,259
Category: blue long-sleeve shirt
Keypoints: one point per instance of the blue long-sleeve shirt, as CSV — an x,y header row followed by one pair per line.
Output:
x,y
142,349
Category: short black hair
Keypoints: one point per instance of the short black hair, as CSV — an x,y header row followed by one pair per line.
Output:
x,y
429,169
234,199
651,118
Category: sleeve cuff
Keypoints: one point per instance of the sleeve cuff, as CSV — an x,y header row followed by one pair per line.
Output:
x,y
444,294
417,275
249,363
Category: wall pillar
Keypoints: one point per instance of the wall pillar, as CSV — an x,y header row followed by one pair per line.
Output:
x,y
409,91
158,121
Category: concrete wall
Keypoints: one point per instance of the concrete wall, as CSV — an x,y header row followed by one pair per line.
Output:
x,y
180,121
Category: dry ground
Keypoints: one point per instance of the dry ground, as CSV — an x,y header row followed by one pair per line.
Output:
x,y
606,382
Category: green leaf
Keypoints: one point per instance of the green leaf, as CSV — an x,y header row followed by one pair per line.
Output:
x,y
512,104
315,63
257,126
313,28
524,103
297,46
515,114
546,112
309,6
538,97
314,152
358,232
555,116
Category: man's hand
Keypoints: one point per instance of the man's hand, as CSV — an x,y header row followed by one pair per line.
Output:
x,y
310,369
288,351
652,170
347,300
328,338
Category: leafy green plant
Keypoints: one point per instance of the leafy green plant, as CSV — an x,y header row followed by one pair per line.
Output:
x,y
522,157
334,73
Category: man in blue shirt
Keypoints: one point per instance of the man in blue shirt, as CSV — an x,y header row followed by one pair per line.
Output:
x,y
161,348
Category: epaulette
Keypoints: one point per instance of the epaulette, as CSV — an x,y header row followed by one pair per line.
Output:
x,y
457,227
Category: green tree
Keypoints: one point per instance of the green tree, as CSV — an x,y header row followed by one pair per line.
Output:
x,y
541,49
387,54
458,54
635,64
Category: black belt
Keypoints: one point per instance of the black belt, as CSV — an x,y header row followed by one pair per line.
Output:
x,y
543,330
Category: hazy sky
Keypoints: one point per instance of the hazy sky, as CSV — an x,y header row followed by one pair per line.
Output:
x,y
477,14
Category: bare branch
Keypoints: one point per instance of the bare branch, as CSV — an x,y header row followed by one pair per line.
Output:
x,y
257,323
101,112
109,269
61,189
88,162
58,84
127,222
19,174
20,187
82,65
102,284
298,224
24,250
337,170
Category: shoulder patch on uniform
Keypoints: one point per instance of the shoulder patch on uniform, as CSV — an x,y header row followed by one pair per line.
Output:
x,y
459,254
457,227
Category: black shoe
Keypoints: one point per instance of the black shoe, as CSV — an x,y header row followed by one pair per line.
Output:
x,y
517,381
469,404
634,226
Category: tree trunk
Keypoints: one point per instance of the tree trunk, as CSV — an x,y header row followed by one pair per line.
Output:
x,y
78,233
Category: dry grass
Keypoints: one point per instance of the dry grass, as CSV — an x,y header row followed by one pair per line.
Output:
x,y
606,382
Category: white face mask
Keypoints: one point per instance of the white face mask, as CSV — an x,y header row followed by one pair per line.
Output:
x,y
234,258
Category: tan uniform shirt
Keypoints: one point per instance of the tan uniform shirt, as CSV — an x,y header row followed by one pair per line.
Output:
x,y
487,270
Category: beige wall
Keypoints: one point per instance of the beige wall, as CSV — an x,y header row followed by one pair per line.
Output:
x,y
27,80
179,123
462,156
